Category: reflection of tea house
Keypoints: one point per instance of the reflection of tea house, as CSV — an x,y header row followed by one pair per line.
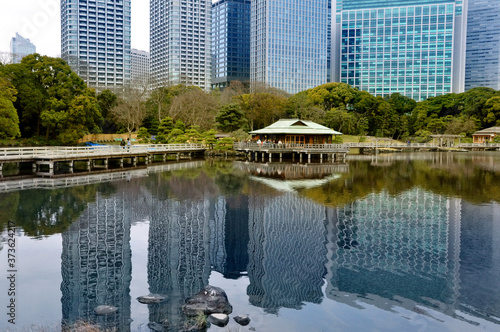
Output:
x,y
295,131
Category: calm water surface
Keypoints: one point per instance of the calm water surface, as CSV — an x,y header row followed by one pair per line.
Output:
x,y
402,242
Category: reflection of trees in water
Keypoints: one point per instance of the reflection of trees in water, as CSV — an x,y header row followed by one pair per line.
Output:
x,y
42,212
448,176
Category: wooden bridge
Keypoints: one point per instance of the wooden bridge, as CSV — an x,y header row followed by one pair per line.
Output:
x,y
338,152
44,160
331,152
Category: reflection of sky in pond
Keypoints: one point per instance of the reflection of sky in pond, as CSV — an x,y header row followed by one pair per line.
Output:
x,y
411,261
294,185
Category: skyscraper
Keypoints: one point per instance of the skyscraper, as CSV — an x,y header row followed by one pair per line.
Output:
x,y
95,41
289,43
139,67
230,42
482,64
180,42
20,47
413,47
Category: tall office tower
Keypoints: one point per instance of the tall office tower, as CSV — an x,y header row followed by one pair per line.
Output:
x,y
482,63
413,47
139,67
95,41
20,47
289,43
230,42
180,42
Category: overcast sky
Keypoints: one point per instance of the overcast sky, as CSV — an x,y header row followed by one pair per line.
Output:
x,y
40,21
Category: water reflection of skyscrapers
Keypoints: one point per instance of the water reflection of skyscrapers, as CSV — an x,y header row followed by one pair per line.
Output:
x,y
287,251
96,265
480,260
229,236
386,249
178,254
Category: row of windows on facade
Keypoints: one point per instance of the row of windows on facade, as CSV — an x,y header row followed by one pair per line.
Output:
x,y
398,12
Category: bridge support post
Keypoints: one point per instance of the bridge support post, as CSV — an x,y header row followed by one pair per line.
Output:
x,y
106,163
89,168
70,166
164,157
121,162
134,161
270,157
281,157
178,156
263,156
320,158
309,158
300,156
34,167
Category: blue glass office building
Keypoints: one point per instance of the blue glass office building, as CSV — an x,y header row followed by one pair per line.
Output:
x,y
289,43
20,47
95,41
230,42
413,47
482,63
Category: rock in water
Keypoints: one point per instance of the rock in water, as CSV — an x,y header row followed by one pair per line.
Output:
x,y
151,298
211,300
219,319
242,320
105,309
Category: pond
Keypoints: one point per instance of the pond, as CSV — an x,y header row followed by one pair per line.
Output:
x,y
396,242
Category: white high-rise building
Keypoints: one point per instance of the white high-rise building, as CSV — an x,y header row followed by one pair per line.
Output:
x,y
180,42
95,41
140,67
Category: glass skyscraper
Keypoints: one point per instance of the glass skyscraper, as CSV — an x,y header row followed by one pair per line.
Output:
x,y
95,41
482,65
230,42
289,43
20,47
180,43
413,47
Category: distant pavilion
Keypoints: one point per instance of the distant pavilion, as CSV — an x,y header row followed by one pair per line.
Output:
x,y
295,131
294,139
486,135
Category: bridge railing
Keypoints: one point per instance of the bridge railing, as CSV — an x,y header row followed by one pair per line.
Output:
x,y
285,146
97,150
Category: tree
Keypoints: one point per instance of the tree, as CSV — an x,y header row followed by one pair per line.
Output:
x,y
143,135
230,117
340,120
332,95
164,129
492,107
401,104
9,121
107,100
300,106
262,109
131,110
195,107
49,96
